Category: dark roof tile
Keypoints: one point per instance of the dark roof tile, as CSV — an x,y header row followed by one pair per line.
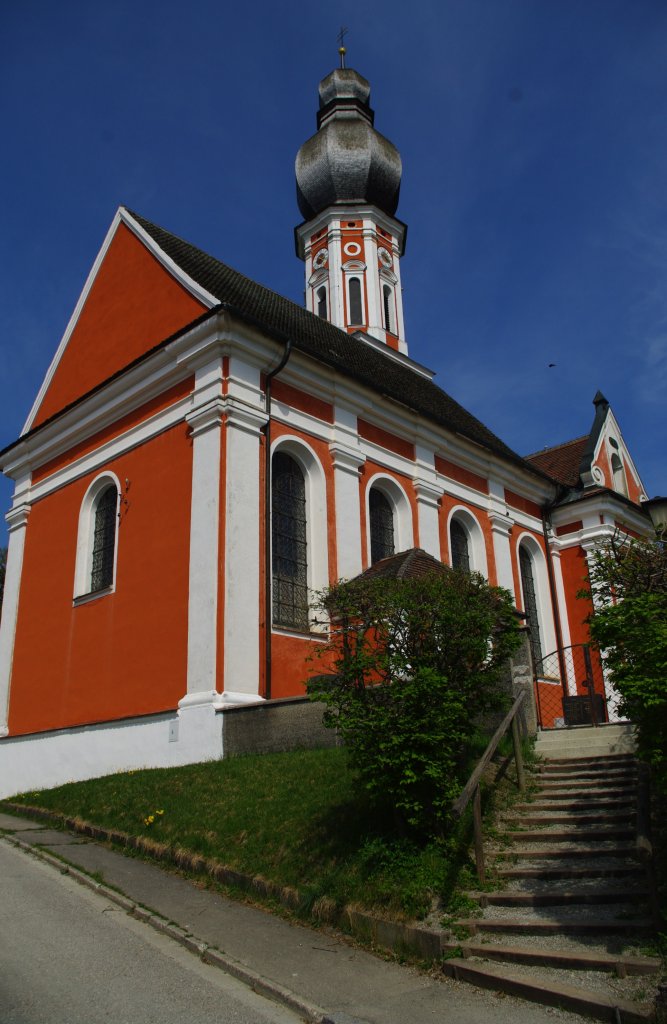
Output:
x,y
561,462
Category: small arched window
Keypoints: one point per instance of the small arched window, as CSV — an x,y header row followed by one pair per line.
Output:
x,y
381,525
530,608
289,545
104,539
322,302
459,546
388,308
356,307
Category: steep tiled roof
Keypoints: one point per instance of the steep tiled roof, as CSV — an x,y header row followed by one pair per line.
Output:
x,y
562,461
325,342
410,564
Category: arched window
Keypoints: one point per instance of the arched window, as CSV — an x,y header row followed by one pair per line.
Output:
x,y
526,566
104,539
356,308
381,525
97,538
459,547
289,546
618,474
388,308
322,302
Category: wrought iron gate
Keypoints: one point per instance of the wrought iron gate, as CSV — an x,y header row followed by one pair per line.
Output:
x,y
570,688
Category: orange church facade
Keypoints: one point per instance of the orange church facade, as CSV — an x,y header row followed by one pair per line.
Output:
x,y
204,456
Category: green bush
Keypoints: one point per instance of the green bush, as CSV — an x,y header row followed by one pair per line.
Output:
x,y
416,662
629,625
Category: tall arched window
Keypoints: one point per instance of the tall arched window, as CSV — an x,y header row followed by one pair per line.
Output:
x,y
526,566
289,548
322,302
381,525
459,547
104,539
356,307
388,308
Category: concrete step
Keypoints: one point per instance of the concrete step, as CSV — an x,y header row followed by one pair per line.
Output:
x,y
560,898
567,803
607,760
557,926
553,816
583,835
579,960
552,874
574,790
593,769
548,992
570,852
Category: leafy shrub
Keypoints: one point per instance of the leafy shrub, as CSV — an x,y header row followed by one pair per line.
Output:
x,y
416,661
629,625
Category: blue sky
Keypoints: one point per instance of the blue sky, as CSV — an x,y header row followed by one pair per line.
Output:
x,y
534,153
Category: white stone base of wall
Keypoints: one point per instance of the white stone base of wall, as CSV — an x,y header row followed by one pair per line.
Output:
x,y
45,760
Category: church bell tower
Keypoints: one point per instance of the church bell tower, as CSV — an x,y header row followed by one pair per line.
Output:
x,y
348,178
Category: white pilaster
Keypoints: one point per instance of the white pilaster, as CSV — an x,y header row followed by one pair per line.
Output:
x,y
501,528
17,520
428,501
205,420
560,594
242,552
346,464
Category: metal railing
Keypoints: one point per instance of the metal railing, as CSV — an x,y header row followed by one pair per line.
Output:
x,y
570,688
471,790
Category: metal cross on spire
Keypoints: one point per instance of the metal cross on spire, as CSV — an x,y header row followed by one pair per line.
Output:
x,y
341,47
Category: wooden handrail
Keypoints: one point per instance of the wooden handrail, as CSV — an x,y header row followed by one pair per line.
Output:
x,y
472,790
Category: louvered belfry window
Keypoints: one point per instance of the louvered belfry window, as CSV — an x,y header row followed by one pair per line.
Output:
x,y
460,548
382,525
104,540
289,553
530,606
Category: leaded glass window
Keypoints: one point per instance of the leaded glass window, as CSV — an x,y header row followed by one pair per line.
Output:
x,y
530,605
459,545
289,552
104,540
382,525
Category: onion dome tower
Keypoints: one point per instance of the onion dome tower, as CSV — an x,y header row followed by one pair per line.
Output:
x,y
348,178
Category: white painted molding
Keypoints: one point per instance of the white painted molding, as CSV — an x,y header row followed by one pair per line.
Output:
x,y
404,534
475,535
17,520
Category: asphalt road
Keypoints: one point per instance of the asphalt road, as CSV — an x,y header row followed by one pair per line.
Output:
x,y
69,957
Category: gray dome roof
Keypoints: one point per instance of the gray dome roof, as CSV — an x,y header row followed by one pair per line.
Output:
x,y
347,160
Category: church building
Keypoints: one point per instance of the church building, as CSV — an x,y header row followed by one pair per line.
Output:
x,y
203,455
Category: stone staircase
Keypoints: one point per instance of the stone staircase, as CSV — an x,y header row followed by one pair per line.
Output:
x,y
568,922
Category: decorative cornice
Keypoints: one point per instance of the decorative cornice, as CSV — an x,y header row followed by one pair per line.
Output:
x,y
346,459
427,494
17,517
206,417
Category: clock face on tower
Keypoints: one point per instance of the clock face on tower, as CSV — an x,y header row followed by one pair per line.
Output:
x,y
320,259
384,257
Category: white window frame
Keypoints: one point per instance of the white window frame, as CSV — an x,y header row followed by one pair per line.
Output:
x,y
404,536
317,552
476,543
86,535
542,592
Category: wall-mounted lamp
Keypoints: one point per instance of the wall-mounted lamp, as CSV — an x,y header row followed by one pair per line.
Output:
x,y
657,509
